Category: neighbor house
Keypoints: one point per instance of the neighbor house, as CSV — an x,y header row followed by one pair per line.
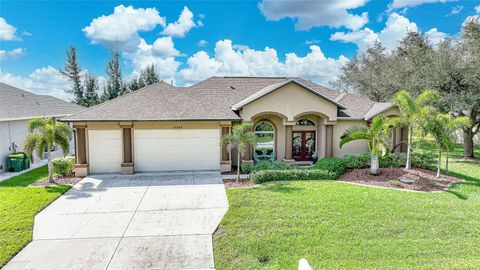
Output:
x,y
164,128
17,107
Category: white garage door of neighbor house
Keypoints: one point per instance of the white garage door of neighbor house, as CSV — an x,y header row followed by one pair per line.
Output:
x,y
105,151
176,149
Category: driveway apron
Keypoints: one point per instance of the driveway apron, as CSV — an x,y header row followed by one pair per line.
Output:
x,y
144,221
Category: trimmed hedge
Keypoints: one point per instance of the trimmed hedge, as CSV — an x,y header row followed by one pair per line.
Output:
x,y
259,177
276,165
357,161
419,160
246,167
64,165
334,166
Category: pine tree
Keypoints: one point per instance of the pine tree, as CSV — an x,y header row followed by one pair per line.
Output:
x,y
91,90
115,86
148,76
72,72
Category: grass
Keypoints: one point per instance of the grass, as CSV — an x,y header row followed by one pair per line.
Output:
x,y
18,206
340,226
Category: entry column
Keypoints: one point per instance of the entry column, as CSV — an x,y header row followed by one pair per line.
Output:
x,y
81,165
226,153
328,140
127,160
288,141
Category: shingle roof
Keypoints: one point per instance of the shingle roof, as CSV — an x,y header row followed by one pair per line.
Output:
x,y
16,104
155,102
211,99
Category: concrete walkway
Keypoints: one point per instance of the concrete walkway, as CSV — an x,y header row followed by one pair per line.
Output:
x,y
146,221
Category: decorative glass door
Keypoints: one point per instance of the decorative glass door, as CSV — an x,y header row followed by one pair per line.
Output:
x,y
303,145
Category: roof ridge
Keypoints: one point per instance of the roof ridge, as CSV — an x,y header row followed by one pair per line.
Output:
x,y
201,101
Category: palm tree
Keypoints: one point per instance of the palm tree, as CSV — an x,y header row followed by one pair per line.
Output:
x,y
242,137
45,133
412,112
442,128
375,135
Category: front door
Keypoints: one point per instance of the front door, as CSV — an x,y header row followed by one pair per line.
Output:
x,y
303,145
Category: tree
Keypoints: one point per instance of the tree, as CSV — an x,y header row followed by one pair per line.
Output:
x,y
148,76
376,135
470,63
115,86
90,84
45,133
412,112
242,137
72,72
442,127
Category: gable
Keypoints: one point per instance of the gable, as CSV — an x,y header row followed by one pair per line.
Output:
x,y
290,100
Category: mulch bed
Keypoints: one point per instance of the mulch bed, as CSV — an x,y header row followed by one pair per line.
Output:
x,y
424,180
67,180
237,184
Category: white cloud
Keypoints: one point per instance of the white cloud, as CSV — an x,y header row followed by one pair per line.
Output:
x,y
435,36
12,54
308,14
182,25
455,10
477,9
43,81
164,47
161,54
249,62
412,3
311,41
7,31
363,38
121,28
396,27
202,43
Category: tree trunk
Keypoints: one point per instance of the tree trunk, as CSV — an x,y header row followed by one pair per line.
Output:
x,y
439,163
468,143
239,164
50,174
408,164
374,164
446,163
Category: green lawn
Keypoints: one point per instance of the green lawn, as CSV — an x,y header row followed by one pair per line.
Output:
x,y
342,226
18,206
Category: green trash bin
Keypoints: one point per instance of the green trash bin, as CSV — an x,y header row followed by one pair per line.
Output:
x,y
15,162
26,162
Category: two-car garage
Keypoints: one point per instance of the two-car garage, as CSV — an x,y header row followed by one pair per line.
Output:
x,y
156,149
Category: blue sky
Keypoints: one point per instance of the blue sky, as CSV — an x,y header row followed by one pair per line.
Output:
x,y
191,41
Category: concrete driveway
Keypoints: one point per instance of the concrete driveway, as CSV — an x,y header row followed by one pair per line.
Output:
x,y
145,221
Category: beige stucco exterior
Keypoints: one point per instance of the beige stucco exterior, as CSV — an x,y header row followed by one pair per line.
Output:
x,y
289,102
282,108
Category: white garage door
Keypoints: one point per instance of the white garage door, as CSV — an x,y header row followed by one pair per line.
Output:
x,y
176,149
105,150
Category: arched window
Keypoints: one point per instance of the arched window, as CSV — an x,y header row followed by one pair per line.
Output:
x,y
265,133
305,122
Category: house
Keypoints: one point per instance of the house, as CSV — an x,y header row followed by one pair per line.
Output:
x,y
164,128
17,107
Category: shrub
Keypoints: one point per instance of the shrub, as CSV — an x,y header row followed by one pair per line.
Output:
x,y
393,160
424,161
259,177
247,167
276,165
357,161
335,166
63,166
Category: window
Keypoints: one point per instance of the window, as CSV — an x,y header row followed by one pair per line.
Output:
x,y
265,138
305,122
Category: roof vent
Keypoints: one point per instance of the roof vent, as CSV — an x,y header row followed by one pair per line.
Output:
x,y
37,102
231,86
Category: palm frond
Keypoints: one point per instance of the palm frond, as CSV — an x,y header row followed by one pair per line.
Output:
x,y
427,97
36,124
354,133
405,103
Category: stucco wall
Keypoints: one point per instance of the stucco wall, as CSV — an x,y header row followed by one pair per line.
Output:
x,y
290,101
351,147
